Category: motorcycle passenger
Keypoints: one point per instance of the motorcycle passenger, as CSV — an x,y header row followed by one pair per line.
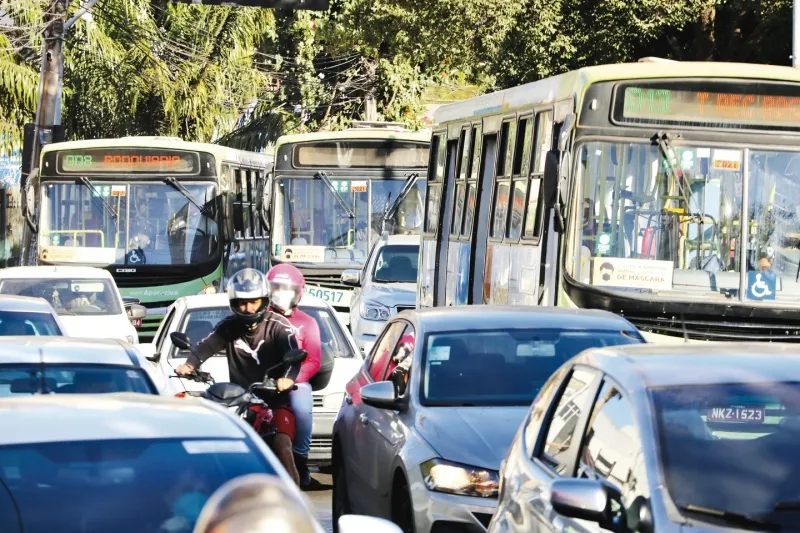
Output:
x,y
286,284
256,339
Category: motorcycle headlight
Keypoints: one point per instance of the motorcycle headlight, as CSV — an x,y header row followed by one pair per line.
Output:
x,y
454,478
333,401
374,311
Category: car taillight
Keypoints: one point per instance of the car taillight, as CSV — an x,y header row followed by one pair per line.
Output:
x,y
180,395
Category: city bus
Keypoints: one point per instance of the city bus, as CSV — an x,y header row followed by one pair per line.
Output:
x,y
167,218
336,193
667,192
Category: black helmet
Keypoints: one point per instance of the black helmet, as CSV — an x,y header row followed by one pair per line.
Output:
x,y
248,284
254,503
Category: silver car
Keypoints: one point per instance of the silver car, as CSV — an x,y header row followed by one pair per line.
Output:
x,y
387,285
425,425
693,438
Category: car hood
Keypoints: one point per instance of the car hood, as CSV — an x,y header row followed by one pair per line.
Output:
x,y
391,294
98,326
476,436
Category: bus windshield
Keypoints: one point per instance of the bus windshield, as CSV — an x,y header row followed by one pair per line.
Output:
x,y
674,230
314,226
129,223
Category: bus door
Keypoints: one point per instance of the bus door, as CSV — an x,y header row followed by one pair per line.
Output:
x,y
446,220
480,230
458,246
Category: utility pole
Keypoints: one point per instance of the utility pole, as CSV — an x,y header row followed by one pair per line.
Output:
x,y
796,33
370,102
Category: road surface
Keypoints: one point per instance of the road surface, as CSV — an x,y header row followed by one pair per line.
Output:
x,y
321,499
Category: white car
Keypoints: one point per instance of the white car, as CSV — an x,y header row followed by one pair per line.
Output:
x,y
22,315
196,316
130,464
64,365
387,285
87,299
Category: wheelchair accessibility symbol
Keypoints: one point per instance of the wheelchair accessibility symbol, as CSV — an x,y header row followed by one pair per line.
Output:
x,y
761,286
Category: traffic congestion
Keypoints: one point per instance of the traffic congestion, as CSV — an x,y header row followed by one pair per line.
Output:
x,y
565,306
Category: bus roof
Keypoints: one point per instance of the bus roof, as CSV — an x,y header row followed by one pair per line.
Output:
x,y
575,82
356,134
219,151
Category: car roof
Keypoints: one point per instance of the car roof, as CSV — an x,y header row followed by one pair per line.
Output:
x,y
9,302
665,365
77,417
206,301
54,272
400,239
488,317
66,350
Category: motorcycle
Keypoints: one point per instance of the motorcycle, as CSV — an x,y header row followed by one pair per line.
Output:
x,y
253,405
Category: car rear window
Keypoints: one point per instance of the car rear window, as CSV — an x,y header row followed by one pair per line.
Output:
x,y
28,324
69,296
125,486
21,380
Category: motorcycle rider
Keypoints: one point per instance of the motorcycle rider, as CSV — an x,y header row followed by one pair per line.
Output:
x,y
286,284
256,339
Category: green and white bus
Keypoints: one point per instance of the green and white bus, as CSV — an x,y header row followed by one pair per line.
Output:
x,y
335,193
167,218
663,191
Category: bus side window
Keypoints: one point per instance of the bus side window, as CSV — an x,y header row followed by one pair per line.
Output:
x,y
435,184
522,157
251,192
461,187
542,143
502,185
472,185
239,217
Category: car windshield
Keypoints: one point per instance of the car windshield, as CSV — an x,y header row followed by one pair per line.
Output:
x,y
732,447
131,224
317,228
125,486
397,264
20,379
644,230
68,296
502,367
27,323
200,324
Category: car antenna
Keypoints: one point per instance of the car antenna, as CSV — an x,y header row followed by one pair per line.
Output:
x,y
685,333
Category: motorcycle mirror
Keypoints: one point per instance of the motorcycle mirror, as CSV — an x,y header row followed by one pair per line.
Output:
x,y
181,340
293,357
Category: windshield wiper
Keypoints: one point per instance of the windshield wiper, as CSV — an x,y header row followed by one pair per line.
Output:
x,y
390,210
664,141
324,177
732,518
178,186
96,194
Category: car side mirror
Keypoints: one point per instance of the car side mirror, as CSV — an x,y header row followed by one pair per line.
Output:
x,y
585,499
381,395
181,340
136,311
351,278
351,523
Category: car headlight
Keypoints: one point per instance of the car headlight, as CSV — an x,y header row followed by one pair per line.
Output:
x,y
374,311
333,401
454,478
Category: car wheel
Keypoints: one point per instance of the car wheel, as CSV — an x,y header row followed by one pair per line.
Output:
x,y
340,504
402,511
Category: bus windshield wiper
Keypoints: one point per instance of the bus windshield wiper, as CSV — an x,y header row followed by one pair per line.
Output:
x,y
732,518
96,194
178,186
664,141
409,184
324,177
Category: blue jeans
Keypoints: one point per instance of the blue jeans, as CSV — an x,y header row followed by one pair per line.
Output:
x,y
302,404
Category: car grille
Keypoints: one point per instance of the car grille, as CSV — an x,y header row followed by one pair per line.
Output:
x,y
321,443
717,330
318,401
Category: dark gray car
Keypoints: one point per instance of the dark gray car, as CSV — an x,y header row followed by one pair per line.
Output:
x,y
660,438
419,439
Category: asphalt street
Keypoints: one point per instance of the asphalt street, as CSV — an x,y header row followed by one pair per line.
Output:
x,y
321,499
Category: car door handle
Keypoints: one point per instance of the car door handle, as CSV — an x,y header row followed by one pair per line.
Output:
x,y
364,419
349,399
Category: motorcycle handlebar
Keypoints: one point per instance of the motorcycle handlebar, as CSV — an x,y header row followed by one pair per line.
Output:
x,y
198,376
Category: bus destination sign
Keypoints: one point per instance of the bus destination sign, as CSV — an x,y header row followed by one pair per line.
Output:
x,y
127,161
722,105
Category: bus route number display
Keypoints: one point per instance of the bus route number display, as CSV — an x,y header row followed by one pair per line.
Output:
x,y
653,104
127,160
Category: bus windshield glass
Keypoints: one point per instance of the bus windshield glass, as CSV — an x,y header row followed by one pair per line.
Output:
x,y
674,230
129,223
314,224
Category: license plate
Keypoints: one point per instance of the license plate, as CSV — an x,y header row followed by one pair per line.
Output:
x,y
749,415
332,296
137,322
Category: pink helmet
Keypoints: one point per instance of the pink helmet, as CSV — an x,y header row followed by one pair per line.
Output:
x,y
286,284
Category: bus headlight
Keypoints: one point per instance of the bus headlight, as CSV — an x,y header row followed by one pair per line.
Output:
x,y
210,289
374,311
